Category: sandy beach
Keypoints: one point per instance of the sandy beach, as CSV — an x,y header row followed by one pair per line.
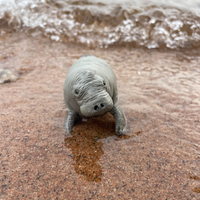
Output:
x,y
158,158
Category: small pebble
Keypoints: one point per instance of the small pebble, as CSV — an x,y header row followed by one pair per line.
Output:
x,y
6,76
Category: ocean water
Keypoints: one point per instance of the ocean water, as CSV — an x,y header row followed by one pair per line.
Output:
x,y
104,23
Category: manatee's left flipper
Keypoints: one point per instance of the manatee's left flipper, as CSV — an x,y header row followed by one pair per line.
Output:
x,y
70,121
120,121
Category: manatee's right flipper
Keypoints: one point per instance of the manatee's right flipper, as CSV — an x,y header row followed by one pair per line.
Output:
x,y
70,121
120,121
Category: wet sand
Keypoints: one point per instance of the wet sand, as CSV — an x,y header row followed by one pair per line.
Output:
x,y
159,157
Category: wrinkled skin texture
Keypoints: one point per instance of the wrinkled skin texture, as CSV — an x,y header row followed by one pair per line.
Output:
x,y
90,89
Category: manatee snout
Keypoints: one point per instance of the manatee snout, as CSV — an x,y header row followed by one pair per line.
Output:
x,y
97,107
101,106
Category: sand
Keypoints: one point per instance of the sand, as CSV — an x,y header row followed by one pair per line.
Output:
x,y
158,158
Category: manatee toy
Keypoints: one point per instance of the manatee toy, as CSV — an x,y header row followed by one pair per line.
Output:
x,y
90,89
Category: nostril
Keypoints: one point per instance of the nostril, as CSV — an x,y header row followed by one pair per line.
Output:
x,y
96,108
102,105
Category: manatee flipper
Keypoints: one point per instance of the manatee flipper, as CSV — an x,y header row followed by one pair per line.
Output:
x,y
70,121
120,121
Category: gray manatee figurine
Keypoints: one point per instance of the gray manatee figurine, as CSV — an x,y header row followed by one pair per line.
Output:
x,y
90,89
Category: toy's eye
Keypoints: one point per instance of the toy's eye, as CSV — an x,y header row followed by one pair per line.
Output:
x,y
104,83
76,91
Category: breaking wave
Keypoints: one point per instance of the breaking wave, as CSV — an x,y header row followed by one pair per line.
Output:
x,y
150,24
